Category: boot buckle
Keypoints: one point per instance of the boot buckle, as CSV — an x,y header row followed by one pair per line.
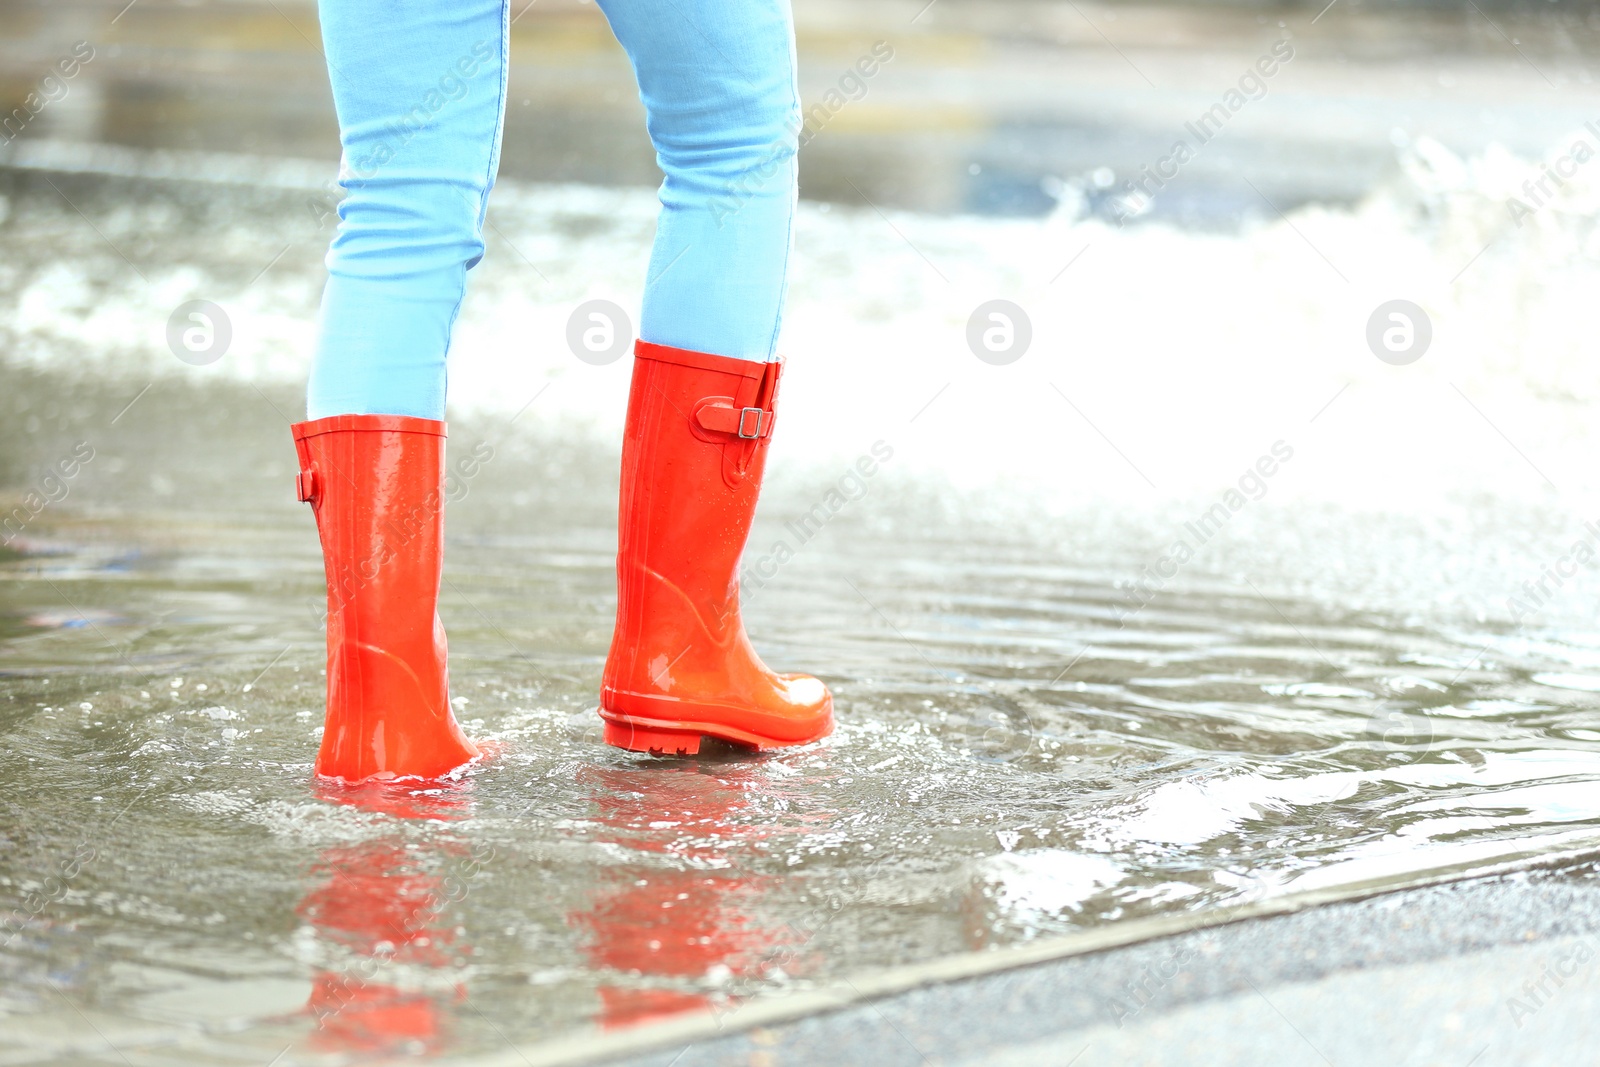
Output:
x,y
305,485
761,418
720,415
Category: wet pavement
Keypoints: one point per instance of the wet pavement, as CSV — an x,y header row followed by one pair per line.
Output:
x,y
1495,971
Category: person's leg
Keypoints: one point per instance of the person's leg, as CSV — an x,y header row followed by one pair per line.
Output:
x,y
718,84
420,89
717,80
419,86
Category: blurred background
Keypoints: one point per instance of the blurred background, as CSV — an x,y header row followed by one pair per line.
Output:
x,y
987,107
1374,657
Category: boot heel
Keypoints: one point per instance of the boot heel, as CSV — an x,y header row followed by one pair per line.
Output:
x,y
650,739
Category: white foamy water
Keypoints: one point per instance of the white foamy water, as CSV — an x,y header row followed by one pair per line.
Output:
x,y
1164,366
1163,362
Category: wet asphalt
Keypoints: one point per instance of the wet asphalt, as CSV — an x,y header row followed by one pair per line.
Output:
x,y
1471,974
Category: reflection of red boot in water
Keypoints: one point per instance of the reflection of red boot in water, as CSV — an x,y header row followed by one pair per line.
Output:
x,y
381,907
382,911
677,931
674,925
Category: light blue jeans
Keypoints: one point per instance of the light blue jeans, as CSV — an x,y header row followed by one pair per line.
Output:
x,y
420,89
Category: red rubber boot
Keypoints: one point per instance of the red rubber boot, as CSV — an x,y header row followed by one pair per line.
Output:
x,y
681,667
375,485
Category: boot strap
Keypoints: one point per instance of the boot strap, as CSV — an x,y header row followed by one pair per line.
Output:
x,y
719,414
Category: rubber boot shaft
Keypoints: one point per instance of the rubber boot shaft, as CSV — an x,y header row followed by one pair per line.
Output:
x,y
375,485
681,665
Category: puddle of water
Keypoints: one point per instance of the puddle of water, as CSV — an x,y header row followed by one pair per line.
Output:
x,y
169,865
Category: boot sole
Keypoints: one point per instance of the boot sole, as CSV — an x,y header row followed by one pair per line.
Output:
x,y
681,738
